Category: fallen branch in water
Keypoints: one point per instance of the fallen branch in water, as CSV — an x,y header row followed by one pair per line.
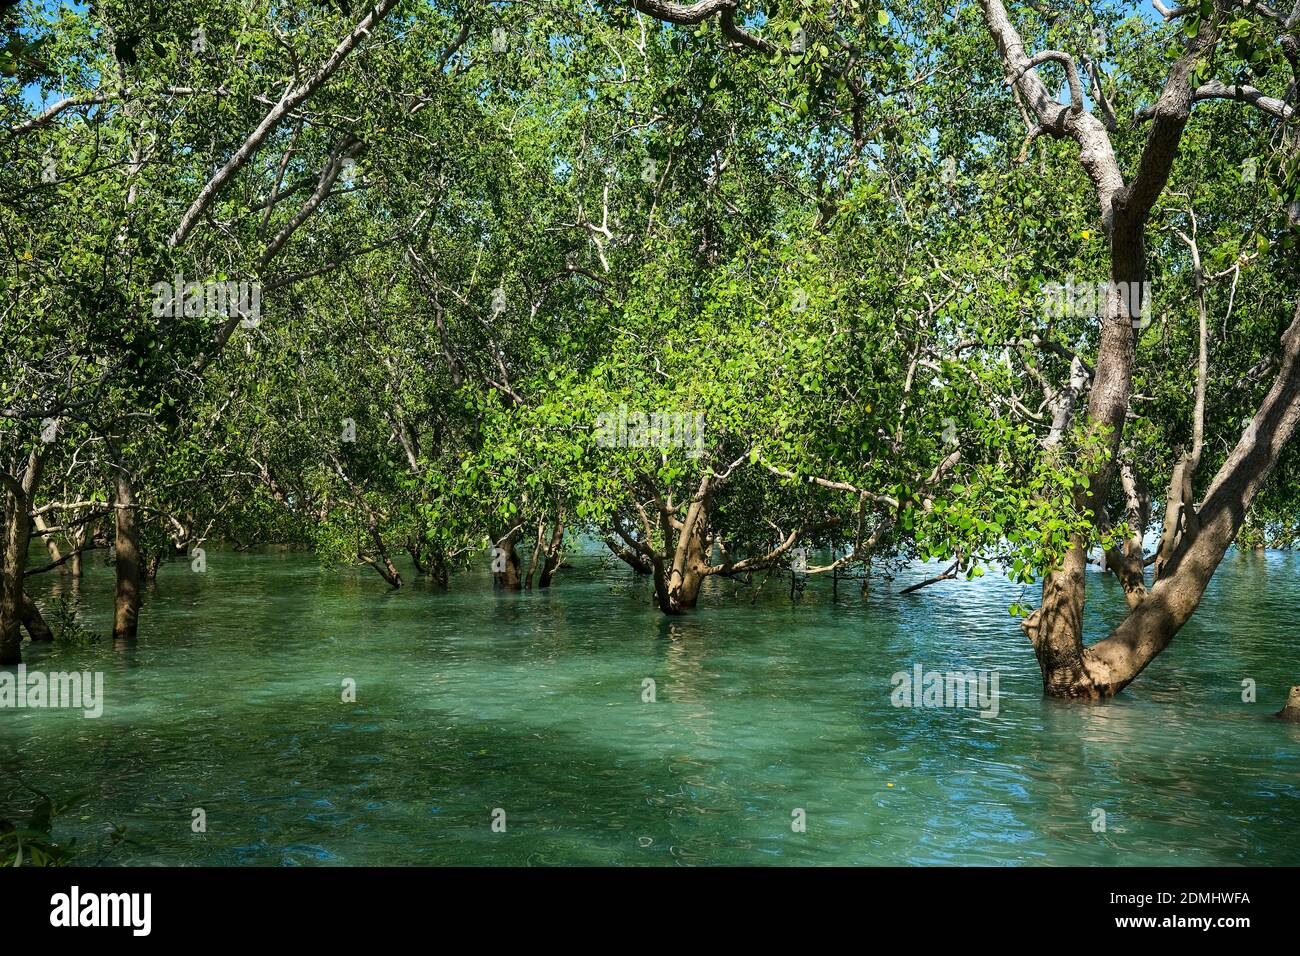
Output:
x,y
946,576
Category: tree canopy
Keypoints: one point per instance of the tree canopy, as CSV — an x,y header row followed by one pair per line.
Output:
x,y
739,288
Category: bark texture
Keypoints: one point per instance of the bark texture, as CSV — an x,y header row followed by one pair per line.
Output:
x,y
1291,711
34,621
127,562
18,494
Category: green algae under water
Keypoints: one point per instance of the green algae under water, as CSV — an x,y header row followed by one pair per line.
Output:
x,y
473,700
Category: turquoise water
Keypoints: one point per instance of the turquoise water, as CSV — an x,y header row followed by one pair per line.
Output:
x,y
471,701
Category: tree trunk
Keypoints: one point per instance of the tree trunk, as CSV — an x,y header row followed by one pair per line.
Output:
x,y
430,560
17,536
17,528
1110,665
509,577
127,595
380,561
1128,561
538,547
1292,709
553,556
34,621
382,564
629,556
414,549
1056,628
77,538
439,567
677,586
50,544
83,536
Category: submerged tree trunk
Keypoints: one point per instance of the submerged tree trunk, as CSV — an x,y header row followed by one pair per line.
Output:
x,y
439,566
11,590
37,629
1205,534
1056,628
538,547
680,568
51,545
1291,710
677,584
128,569
629,556
546,553
18,528
505,562
415,550
381,562
151,566
15,550
430,560
553,552
77,538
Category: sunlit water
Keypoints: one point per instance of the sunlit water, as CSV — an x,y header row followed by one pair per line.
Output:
x,y
471,700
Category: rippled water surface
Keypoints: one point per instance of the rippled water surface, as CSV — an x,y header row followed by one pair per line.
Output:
x,y
472,700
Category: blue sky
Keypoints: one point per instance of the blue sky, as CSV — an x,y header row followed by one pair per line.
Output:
x,y
35,101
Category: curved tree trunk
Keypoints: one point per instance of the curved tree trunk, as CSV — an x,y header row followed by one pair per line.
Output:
x,y
37,629
416,551
629,556
1056,628
1110,665
381,562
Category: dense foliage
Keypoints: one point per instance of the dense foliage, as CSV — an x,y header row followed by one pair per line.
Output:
x,y
718,285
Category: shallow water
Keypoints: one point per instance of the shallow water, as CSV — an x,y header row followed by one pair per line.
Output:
x,y
471,700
